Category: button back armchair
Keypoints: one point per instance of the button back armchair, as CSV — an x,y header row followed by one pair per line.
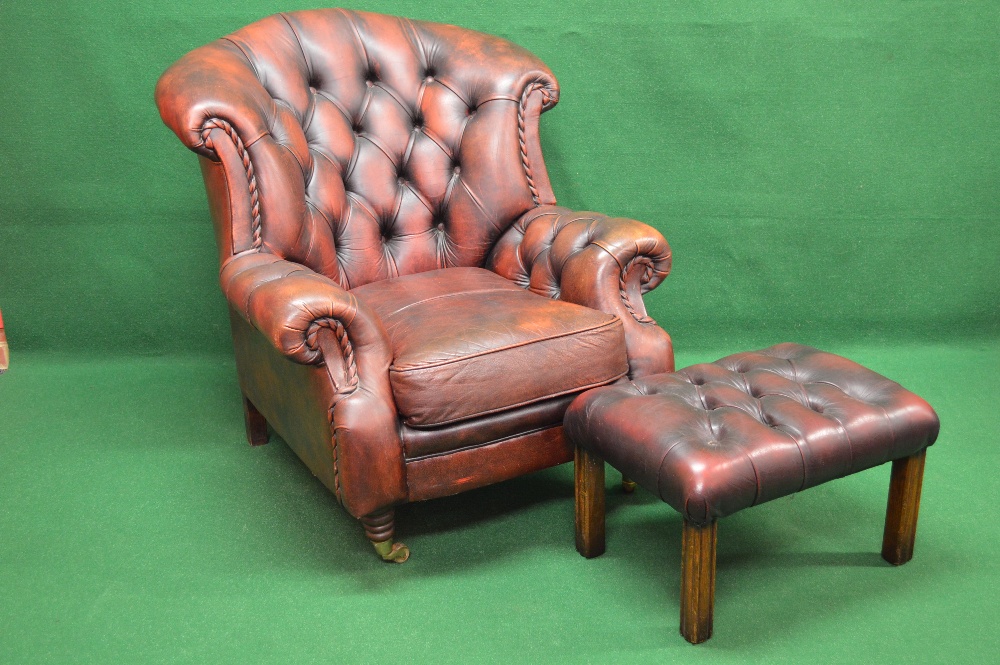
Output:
x,y
410,310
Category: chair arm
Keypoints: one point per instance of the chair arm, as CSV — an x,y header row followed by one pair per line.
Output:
x,y
600,262
313,321
290,305
211,82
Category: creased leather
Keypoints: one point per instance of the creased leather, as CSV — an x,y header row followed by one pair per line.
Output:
x,y
459,334
715,438
380,146
340,149
596,261
283,301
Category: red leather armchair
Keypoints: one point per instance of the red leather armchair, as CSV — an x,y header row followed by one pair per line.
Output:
x,y
410,310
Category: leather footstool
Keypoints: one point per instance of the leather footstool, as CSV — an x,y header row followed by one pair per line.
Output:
x,y
718,437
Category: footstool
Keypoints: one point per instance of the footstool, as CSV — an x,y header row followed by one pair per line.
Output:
x,y
715,438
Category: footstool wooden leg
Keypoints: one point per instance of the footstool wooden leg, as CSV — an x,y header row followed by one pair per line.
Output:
x,y
904,504
628,485
589,482
697,581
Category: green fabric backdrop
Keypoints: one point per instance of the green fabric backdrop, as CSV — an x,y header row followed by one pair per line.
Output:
x,y
824,171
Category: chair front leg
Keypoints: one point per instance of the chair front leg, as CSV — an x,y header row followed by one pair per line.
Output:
x,y
380,528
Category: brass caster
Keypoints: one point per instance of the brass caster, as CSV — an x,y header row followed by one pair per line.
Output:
x,y
628,486
394,552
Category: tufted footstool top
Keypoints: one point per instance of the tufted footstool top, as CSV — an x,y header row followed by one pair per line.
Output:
x,y
714,438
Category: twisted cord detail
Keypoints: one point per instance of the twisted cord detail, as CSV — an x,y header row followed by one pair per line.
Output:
x,y
346,348
639,262
347,351
521,108
336,460
206,136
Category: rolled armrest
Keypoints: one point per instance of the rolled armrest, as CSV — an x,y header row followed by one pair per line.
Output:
x,y
190,95
290,305
313,321
597,261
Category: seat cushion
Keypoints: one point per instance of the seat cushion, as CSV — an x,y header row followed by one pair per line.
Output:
x,y
467,342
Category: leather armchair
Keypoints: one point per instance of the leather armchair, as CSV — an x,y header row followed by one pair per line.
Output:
x,y
411,311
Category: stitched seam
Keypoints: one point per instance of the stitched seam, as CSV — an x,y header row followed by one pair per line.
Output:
x,y
483,444
384,317
442,363
298,40
881,408
357,33
479,204
247,56
534,400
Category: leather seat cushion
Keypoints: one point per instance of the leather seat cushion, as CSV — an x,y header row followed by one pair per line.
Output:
x,y
467,343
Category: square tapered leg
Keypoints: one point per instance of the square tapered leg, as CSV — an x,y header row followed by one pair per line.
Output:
x,y
901,512
697,581
589,482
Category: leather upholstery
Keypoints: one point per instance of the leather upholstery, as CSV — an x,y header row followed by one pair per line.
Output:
x,y
420,443
458,333
346,153
595,261
718,437
380,146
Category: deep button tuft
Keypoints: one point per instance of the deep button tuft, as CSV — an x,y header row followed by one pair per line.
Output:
x,y
457,170
440,227
429,79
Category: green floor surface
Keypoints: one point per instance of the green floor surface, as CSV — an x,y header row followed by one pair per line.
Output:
x,y
137,526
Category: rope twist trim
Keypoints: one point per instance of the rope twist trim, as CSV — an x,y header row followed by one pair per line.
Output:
x,y
646,265
347,351
525,162
206,136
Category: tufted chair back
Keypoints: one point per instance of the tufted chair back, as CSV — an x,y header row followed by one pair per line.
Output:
x,y
371,146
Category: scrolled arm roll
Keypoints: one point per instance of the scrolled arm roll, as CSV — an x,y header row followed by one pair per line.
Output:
x,y
597,261
292,305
